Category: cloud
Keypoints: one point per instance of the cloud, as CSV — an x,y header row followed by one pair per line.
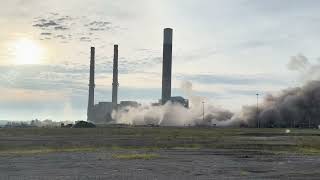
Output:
x,y
45,23
61,25
43,77
299,62
231,79
99,26
60,28
74,77
85,39
53,21
46,34
61,36
97,29
99,23
53,24
22,95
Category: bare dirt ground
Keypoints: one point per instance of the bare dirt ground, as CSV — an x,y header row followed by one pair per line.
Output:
x,y
178,154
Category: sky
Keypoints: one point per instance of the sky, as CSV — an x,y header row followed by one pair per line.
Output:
x,y
229,50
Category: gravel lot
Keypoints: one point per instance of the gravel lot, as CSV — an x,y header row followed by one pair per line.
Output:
x,y
172,164
175,163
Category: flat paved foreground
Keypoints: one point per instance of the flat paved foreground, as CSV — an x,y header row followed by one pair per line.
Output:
x,y
171,164
158,153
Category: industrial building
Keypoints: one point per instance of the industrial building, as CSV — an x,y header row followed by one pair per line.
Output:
x,y
167,71
102,113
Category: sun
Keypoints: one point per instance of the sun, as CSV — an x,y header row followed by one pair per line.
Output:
x,y
27,51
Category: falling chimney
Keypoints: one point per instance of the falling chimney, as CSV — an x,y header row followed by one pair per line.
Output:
x,y
167,65
115,82
91,87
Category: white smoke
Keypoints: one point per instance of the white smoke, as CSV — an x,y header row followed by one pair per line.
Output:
x,y
293,107
200,112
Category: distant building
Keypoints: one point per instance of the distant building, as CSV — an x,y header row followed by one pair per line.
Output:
x,y
102,112
174,100
17,125
124,104
180,100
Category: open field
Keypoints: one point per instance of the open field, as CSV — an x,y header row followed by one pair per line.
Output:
x,y
159,153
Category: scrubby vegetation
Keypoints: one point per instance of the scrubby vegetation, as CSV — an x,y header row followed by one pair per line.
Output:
x,y
143,156
39,140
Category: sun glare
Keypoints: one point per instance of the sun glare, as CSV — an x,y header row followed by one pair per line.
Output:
x,y
27,52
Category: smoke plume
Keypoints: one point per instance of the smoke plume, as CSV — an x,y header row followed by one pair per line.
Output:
x,y
174,114
292,107
307,70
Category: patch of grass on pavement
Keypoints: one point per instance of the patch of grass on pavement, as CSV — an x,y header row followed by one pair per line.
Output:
x,y
187,147
309,150
244,173
144,156
47,150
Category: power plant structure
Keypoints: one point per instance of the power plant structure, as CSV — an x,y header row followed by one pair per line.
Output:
x,y
167,72
90,111
115,83
167,66
101,113
105,112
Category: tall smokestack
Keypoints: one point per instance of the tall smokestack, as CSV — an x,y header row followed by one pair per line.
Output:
x,y
167,65
115,82
91,86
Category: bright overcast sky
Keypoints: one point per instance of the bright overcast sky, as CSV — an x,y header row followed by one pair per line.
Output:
x,y
229,50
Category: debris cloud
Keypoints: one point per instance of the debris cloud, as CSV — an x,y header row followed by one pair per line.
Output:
x,y
174,114
292,107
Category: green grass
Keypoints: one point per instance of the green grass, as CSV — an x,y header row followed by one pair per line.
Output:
x,y
144,156
309,150
244,173
46,150
45,140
